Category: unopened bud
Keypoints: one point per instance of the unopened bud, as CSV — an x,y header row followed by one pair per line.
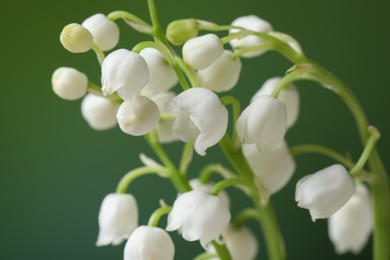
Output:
x,y
75,38
180,31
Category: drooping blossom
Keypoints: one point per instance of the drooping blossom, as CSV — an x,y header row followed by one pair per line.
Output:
x,y
351,226
199,216
105,32
76,38
201,118
263,123
325,192
99,112
118,217
149,243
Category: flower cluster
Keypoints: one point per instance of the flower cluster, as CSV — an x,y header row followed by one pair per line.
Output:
x,y
153,92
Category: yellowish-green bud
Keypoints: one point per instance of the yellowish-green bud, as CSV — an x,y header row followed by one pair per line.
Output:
x,y
180,31
76,38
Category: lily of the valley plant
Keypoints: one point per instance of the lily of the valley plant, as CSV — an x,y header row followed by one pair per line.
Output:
x,y
152,91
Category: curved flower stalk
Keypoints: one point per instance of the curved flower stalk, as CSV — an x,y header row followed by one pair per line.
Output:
x,y
241,242
207,187
351,226
125,72
289,96
118,217
162,75
149,243
325,191
104,31
199,216
263,123
223,74
69,83
200,52
273,168
253,23
138,116
99,112
200,118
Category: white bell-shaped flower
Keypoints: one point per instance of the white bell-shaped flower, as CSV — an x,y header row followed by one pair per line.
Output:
x,y
149,243
164,127
325,192
223,74
241,243
253,23
351,226
289,96
138,116
201,51
199,216
162,75
118,217
273,167
207,187
99,112
69,83
105,32
76,38
201,117
124,71
263,122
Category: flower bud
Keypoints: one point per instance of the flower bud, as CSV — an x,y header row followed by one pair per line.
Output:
x,y
263,123
289,96
201,51
351,226
149,243
105,32
325,191
241,243
199,216
118,217
162,75
201,118
273,167
124,71
222,75
180,31
253,23
69,83
75,38
138,116
99,112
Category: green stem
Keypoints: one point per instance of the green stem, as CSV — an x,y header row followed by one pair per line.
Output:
x,y
99,53
269,225
246,214
314,148
374,137
178,180
186,157
116,15
136,173
222,251
235,103
220,186
206,172
190,73
157,31
206,256
157,214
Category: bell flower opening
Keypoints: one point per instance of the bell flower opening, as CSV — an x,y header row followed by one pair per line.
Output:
x,y
99,112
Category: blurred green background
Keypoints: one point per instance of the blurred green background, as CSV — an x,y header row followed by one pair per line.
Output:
x,y
55,170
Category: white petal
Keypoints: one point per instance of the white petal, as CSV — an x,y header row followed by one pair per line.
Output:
x,y
105,32
201,51
69,83
124,71
99,112
138,116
